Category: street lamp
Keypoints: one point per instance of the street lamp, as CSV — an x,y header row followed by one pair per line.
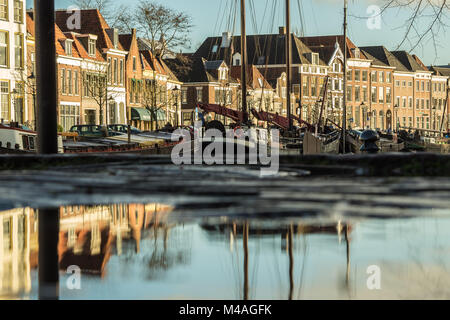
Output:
x,y
175,91
397,122
14,95
365,115
32,79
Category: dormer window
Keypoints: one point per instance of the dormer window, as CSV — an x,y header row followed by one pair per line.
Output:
x,y
223,74
315,58
214,48
68,47
91,47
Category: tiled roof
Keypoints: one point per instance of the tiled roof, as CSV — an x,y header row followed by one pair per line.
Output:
x,y
92,22
408,61
125,40
383,57
153,62
258,48
253,77
441,71
326,45
30,24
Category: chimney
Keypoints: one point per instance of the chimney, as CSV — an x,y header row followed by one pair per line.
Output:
x,y
133,32
114,36
226,39
282,31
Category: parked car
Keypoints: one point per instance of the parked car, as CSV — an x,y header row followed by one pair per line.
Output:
x,y
123,128
93,131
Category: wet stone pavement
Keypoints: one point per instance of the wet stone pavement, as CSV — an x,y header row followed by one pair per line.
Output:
x,y
311,231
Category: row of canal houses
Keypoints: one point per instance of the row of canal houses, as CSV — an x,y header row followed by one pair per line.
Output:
x,y
105,77
385,89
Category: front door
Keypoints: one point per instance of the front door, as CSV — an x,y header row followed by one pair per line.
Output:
x,y
89,117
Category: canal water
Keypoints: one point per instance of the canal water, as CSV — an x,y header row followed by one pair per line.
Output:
x,y
152,251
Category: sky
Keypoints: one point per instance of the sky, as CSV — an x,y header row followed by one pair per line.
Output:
x,y
321,17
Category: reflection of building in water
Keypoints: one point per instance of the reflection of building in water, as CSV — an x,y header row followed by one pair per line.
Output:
x,y
87,233
15,266
86,239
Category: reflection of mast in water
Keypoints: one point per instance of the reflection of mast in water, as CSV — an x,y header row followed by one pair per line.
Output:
x,y
245,243
347,276
291,261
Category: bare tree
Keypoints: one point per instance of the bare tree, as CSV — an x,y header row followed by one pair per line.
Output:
x,y
105,7
96,86
153,99
163,28
426,20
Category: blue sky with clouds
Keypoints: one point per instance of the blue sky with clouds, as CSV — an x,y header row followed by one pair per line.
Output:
x,y
321,17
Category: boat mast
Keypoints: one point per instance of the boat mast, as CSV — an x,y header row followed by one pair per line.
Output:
x,y
244,64
344,111
288,62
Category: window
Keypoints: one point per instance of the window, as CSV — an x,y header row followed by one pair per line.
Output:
x,y
91,47
373,76
389,77
18,50
69,116
410,105
422,103
397,101
4,100
418,85
404,84
423,86
315,58
115,70
63,81
357,94
109,70
69,81
404,102
428,86
305,86
381,76
388,95
134,64
417,103
374,94
313,87
357,75
410,84
428,104
68,47
349,75
364,76
381,95
18,11
397,83
121,72
77,85
4,9
349,93
4,48
364,94
199,95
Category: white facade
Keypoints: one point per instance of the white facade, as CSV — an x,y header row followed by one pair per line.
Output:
x,y
13,63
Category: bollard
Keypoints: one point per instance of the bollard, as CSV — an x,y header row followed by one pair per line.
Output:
x,y
369,139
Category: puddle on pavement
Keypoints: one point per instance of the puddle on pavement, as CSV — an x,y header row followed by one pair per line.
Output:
x,y
140,251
